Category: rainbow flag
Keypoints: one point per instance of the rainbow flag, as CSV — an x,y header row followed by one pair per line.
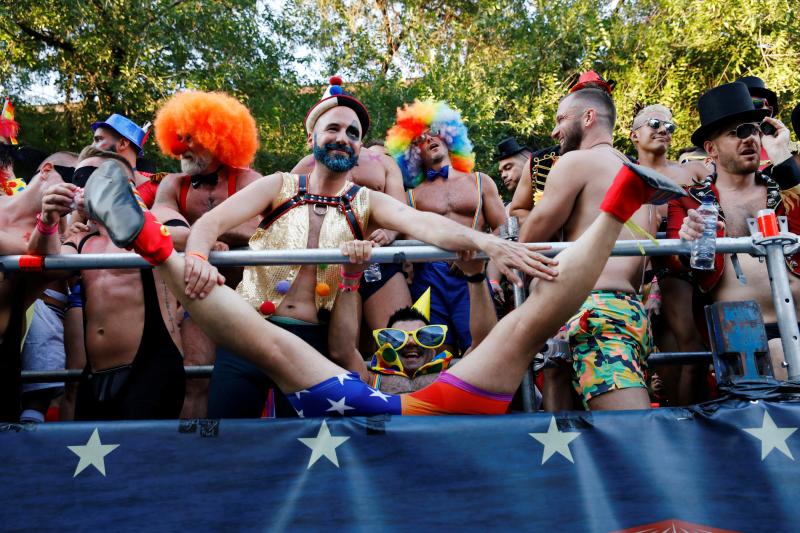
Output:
x,y
7,123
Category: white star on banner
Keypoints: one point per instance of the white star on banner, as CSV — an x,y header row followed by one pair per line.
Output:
x,y
772,437
343,377
324,444
338,406
92,453
556,441
379,394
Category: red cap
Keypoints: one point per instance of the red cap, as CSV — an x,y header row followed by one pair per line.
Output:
x,y
594,78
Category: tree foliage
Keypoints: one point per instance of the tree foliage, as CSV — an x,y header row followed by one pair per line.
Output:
x,y
504,64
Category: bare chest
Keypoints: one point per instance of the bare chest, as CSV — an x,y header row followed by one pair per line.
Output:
x,y
455,196
738,207
203,199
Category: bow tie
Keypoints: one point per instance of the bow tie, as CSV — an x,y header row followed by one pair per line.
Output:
x,y
208,179
441,173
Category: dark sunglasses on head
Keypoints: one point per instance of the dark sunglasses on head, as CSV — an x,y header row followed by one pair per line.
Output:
x,y
431,336
743,131
761,103
81,176
430,133
655,124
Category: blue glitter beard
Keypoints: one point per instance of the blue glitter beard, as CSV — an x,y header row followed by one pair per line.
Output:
x,y
336,163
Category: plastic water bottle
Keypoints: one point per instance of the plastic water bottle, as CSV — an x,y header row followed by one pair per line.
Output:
x,y
704,248
372,273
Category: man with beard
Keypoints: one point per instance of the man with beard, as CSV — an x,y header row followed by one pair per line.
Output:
x,y
377,171
481,384
732,132
134,366
610,334
431,145
122,136
215,138
320,210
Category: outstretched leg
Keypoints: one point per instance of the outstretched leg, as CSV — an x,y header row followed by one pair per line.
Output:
x,y
499,362
227,319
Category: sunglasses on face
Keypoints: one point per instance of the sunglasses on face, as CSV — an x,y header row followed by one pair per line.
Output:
x,y
743,131
427,336
655,124
81,176
426,135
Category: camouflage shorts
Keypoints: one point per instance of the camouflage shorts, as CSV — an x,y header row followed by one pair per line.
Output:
x,y
610,338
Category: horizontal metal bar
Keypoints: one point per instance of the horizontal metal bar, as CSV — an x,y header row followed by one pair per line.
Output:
x,y
416,252
678,358
57,376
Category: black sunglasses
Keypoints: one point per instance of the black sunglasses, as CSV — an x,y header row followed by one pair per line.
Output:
x,y
81,176
655,124
743,131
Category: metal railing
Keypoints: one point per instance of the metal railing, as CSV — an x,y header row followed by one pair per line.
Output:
x,y
772,250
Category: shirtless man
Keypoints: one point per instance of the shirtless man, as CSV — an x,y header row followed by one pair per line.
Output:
x,y
481,384
18,291
214,165
651,134
377,171
610,335
297,216
430,144
730,133
134,364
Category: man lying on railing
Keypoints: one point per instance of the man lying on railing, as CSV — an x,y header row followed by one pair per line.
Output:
x,y
732,133
481,384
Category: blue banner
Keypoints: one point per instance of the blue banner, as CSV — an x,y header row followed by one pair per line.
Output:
x,y
729,466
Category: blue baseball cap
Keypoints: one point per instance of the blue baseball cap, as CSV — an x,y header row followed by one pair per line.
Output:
x,y
125,127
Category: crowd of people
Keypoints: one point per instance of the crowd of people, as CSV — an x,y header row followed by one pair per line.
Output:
x,y
360,338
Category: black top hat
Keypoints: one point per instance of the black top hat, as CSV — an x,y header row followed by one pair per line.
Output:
x,y
796,120
726,103
508,147
757,88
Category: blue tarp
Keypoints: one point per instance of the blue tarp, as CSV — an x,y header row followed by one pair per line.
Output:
x,y
726,466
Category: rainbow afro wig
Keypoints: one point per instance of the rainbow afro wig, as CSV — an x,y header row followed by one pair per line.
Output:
x,y
217,121
414,120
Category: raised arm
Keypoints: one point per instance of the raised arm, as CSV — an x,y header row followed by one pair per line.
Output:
x,y
386,212
200,275
344,328
482,315
563,185
240,235
522,202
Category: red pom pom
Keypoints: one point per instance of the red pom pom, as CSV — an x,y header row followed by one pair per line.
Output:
x,y
323,289
267,308
335,80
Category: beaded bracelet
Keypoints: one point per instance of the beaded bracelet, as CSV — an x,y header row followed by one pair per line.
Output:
x,y
198,255
345,275
43,228
349,288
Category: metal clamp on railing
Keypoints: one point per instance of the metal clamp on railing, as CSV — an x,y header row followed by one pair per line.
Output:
x,y
771,237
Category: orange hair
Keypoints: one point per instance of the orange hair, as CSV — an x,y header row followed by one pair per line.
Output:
x,y
217,121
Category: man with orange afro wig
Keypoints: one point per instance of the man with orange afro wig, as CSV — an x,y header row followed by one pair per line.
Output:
x,y
215,138
430,144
